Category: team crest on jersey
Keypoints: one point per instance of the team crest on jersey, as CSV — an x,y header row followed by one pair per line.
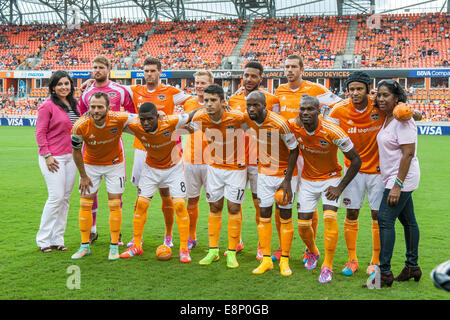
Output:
x,y
113,130
162,97
323,143
166,134
112,95
375,116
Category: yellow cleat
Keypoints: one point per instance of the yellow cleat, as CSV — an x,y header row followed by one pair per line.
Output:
x,y
285,270
265,265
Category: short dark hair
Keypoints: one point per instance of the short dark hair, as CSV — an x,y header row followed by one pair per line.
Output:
x,y
310,99
100,94
296,57
394,87
148,107
255,65
154,61
215,89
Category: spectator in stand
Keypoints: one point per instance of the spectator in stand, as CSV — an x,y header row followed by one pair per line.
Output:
x,y
54,123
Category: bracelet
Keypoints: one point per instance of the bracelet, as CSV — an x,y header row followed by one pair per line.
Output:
x,y
47,155
397,181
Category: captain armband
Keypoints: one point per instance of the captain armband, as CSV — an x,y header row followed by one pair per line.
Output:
x,y
77,142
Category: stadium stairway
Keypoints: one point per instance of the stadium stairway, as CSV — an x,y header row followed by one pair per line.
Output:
x,y
349,46
235,60
133,58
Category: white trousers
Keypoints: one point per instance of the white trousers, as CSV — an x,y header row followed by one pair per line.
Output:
x,y
59,186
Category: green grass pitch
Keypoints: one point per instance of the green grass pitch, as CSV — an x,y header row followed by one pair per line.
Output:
x,y
26,273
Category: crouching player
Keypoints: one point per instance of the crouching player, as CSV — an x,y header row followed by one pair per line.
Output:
x,y
163,169
277,154
321,178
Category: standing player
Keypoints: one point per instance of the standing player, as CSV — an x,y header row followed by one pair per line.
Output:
x,y
193,156
101,130
226,170
277,154
290,95
361,120
163,166
321,178
252,79
165,98
119,100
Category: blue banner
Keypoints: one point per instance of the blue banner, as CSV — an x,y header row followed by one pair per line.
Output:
x,y
140,75
18,122
433,130
445,73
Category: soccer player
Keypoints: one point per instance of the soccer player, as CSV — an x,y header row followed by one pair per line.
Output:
x,y
252,78
277,154
359,117
165,98
290,95
163,167
101,130
226,170
119,100
193,156
319,141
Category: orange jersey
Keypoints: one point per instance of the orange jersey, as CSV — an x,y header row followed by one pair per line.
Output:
x,y
103,145
319,149
274,140
161,145
196,143
290,99
238,102
225,139
362,128
164,97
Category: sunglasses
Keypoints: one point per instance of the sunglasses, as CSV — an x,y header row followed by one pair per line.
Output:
x,y
388,81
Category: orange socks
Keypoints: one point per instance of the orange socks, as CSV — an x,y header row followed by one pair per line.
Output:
x,y
351,237
234,229
287,234
331,236
140,217
85,219
375,242
115,219
265,235
306,232
214,226
182,221
169,213
257,211
192,209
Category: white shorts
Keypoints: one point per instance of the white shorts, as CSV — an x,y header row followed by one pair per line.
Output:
x,y
195,177
311,191
353,195
138,165
268,185
153,179
225,183
114,177
252,178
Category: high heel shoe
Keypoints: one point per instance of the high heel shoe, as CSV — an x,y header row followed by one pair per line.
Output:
x,y
408,273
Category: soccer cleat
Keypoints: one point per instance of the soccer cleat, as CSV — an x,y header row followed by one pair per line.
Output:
x,y
311,260
113,252
92,237
326,275
131,252
83,251
184,256
277,255
259,254
168,241
305,256
264,266
192,243
285,270
350,268
239,247
212,256
131,243
231,259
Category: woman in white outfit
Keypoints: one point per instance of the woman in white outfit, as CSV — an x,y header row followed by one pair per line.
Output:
x,y
54,123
